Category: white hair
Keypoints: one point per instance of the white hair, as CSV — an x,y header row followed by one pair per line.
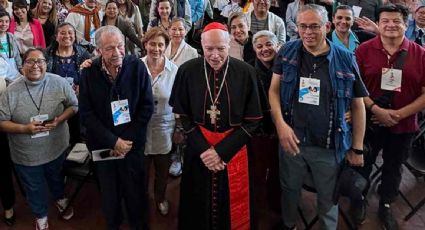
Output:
x,y
265,33
106,30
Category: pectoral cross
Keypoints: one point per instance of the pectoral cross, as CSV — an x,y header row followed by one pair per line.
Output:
x,y
213,112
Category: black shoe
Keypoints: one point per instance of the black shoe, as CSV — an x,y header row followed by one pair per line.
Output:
x,y
358,212
386,217
11,220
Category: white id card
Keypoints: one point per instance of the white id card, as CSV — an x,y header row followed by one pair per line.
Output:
x,y
41,117
357,10
391,79
309,91
120,112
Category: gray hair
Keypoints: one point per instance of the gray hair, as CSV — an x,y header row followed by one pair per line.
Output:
x,y
225,33
265,33
319,10
107,30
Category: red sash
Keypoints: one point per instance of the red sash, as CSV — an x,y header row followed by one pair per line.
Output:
x,y
237,172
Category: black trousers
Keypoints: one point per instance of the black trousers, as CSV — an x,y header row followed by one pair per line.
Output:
x,y
7,192
123,179
395,150
161,164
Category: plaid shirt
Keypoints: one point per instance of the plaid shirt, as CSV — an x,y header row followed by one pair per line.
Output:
x,y
108,74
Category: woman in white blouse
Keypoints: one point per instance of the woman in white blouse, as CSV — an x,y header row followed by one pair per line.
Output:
x,y
179,51
161,126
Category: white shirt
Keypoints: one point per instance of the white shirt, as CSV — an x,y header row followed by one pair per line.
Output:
x,y
236,49
184,53
161,126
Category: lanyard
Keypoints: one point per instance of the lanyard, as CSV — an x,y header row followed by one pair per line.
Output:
x,y
41,98
9,46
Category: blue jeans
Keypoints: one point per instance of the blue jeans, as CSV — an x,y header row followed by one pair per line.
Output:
x,y
293,171
34,179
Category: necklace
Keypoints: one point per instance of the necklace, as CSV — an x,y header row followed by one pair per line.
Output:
x,y
213,111
32,98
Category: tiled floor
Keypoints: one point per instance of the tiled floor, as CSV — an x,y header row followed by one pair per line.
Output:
x,y
88,215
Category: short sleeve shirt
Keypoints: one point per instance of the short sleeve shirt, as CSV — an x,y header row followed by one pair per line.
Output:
x,y
372,57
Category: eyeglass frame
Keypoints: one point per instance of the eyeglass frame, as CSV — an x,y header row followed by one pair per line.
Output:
x,y
312,27
39,62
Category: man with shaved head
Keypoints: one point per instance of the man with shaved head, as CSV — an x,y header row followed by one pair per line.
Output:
x,y
217,99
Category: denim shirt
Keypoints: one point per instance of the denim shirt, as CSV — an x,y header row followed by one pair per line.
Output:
x,y
342,71
411,32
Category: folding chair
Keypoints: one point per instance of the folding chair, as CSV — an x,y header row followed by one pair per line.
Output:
x,y
416,164
309,187
81,172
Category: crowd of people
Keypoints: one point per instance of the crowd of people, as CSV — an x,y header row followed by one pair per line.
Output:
x,y
296,91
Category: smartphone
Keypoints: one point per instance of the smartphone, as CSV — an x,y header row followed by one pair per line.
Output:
x,y
105,154
47,121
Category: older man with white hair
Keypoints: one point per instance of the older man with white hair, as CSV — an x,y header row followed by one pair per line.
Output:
x,y
219,110
116,105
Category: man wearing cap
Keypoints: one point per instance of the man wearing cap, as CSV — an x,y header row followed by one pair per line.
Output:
x,y
217,99
416,27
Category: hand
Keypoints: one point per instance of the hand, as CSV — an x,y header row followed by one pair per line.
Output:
x,y
35,127
288,140
178,136
354,159
116,153
384,117
218,167
52,124
86,64
122,147
211,159
348,117
76,89
366,24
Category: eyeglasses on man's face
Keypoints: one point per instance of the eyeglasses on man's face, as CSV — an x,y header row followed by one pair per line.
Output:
x,y
312,27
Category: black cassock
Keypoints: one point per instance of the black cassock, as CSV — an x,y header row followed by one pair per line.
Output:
x,y
205,204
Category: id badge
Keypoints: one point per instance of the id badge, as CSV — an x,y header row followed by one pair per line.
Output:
x,y
309,91
41,117
120,112
391,79
357,10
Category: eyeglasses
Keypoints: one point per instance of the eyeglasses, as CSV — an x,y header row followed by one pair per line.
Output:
x,y
313,27
32,62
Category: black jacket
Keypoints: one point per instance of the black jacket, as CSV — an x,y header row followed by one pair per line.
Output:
x,y
96,94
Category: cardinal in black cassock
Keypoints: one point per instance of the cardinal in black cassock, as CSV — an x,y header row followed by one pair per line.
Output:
x,y
218,102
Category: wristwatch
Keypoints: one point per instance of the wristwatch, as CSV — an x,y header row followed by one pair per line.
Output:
x,y
356,151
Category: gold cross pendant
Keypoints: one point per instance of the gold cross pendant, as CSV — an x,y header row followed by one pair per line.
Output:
x,y
213,112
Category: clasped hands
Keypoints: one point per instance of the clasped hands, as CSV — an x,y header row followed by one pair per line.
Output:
x,y
385,117
212,160
121,148
39,126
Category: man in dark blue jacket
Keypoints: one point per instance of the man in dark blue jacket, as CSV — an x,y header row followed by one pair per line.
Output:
x,y
314,84
116,105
